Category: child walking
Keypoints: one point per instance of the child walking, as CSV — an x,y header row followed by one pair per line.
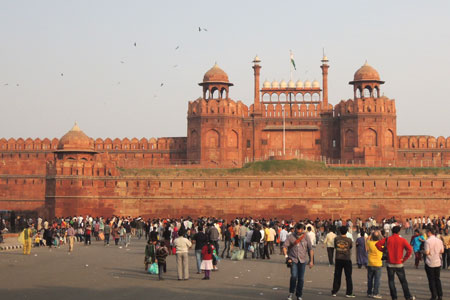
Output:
x,y
161,253
207,259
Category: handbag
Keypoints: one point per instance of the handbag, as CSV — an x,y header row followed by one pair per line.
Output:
x,y
153,269
385,255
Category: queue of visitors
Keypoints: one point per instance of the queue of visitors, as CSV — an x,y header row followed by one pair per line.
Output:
x,y
376,244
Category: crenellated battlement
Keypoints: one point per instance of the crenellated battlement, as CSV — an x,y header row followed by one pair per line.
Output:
x,y
423,142
372,105
214,107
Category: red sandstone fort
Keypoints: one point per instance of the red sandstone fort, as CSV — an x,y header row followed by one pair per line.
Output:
x,y
79,175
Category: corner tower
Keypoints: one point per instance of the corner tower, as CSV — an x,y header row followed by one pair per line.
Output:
x,y
214,136
368,123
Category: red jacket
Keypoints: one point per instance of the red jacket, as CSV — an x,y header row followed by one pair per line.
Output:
x,y
395,246
205,254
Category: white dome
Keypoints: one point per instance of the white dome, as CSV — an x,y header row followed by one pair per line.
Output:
x,y
299,84
275,84
307,84
291,84
283,84
315,84
266,84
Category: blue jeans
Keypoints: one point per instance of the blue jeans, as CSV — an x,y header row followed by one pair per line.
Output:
x,y
198,257
373,280
226,248
297,278
402,278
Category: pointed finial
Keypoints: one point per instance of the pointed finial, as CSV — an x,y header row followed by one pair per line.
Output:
x,y
366,63
75,127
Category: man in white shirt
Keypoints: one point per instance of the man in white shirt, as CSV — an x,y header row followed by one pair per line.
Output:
x,y
283,236
434,248
182,246
329,243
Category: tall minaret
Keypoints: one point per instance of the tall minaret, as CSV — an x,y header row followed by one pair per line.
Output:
x,y
324,68
256,68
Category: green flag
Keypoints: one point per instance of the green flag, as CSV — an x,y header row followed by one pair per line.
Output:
x,y
293,61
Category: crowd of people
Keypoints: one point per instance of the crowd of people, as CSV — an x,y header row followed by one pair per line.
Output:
x,y
377,244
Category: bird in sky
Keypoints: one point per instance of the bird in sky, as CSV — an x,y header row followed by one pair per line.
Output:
x,y
122,62
175,66
5,84
161,84
200,29
135,44
178,47
17,84
62,74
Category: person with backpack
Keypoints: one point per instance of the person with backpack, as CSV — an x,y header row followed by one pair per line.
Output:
x,y
395,245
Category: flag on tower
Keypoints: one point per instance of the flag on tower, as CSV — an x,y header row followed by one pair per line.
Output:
x,y
292,60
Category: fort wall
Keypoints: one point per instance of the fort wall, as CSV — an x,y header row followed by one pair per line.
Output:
x,y
280,196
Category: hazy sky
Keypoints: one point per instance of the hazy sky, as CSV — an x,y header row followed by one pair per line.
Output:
x,y
112,88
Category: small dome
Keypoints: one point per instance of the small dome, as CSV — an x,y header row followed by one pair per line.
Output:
x,y
307,84
215,74
283,84
291,84
76,140
256,60
366,72
266,84
299,84
275,84
315,84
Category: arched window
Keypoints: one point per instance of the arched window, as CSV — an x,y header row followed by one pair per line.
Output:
x,y
233,139
315,97
367,92
212,139
307,97
369,138
358,93
349,139
266,97
389,138
299,97
274,97
375,92
282,97
214,93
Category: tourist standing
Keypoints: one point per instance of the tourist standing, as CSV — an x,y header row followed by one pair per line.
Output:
x,y
70,233
213,235
343,246
200,240
296,249
374,266
361,252
283,237
207,259
329,243
27,235
416,242
446,256
434,248
182,246
107,232
395,246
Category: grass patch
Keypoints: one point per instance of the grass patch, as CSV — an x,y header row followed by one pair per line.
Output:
x,y
284,167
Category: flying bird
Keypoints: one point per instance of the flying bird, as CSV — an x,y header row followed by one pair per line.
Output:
x,y
135,44
17,84
175,66
161,84
204,29
62,74
122,62
5,84
199,29
178,47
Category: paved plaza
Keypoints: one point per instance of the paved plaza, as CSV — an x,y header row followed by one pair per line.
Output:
x,y
98,272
